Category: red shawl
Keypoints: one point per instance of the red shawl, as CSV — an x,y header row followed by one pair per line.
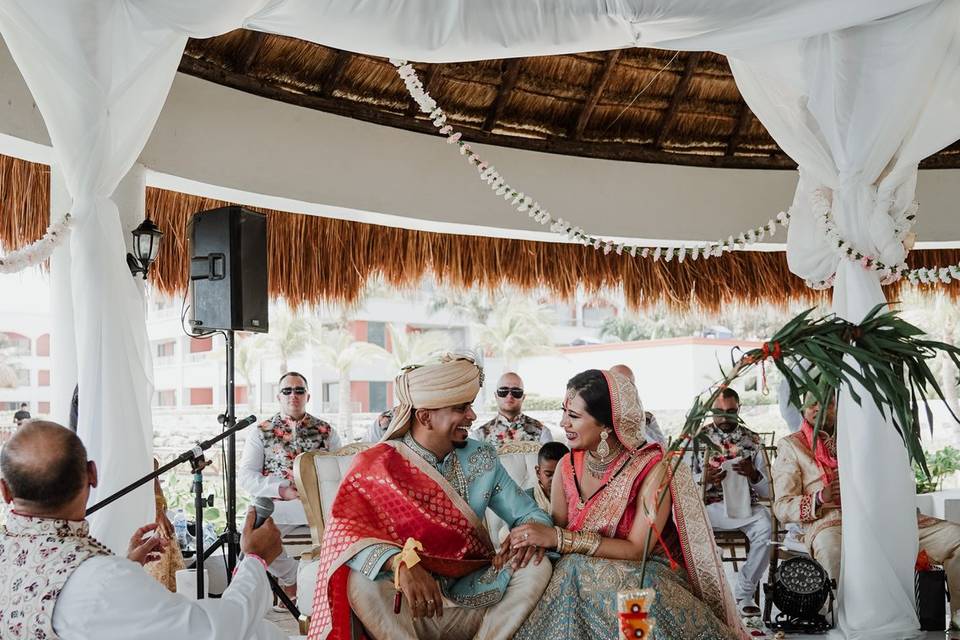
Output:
x,y
390,494
826,459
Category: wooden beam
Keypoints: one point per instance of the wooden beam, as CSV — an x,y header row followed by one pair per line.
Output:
x,y
679,94
511,72
335,74
609,151
594,98
249,51
429,78
743,120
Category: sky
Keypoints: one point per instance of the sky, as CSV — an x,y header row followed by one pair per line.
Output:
x,y
30,289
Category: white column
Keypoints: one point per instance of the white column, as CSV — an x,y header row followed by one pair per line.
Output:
x,y
63,339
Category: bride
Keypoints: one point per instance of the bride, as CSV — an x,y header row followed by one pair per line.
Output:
x,y
604,503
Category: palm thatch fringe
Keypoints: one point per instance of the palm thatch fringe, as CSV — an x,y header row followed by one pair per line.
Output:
x,y
314,259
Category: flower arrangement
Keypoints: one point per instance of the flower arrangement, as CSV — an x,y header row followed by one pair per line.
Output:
x,y
39,250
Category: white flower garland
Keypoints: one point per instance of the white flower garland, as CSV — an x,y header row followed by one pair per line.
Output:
x,y
524,203
37,251
822,213
820,206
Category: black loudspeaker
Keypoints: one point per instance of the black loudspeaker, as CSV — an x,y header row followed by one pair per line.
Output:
x,y
228,270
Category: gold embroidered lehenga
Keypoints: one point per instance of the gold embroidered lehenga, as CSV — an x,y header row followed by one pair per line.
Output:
x,y
692,599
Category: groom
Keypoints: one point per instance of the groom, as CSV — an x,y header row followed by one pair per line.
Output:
x,y
406,549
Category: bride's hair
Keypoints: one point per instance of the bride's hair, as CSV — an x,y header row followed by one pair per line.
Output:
x,y
591,385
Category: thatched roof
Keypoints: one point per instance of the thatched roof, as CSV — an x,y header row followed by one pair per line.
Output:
x,y
313,259
645,105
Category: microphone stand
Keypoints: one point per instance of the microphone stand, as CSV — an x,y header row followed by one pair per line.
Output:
x,y
197,462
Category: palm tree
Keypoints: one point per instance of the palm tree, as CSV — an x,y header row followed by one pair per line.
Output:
x,y
935,313
248,355
472,305
411,347
290,334
515,329
8,365
335,348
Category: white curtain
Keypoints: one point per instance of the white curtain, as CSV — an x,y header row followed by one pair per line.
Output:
x,y
857,92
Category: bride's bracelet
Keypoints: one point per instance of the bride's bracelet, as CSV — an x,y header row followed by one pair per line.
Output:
x,y
585,542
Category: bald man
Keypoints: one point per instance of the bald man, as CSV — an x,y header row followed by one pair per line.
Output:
x,y
511,424
58,582
654,432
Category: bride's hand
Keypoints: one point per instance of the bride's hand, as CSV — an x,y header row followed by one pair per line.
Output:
x,y
533,535
504,555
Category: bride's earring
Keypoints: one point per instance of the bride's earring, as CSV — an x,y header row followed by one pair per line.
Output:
x,y
603,449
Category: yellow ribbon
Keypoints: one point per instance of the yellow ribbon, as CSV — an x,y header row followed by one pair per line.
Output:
x,y
407,556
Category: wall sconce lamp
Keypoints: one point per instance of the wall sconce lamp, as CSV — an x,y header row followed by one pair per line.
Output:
x,y
146,245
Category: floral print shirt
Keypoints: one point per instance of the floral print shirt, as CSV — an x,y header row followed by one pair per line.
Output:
x,y
740,442
502,430
285,438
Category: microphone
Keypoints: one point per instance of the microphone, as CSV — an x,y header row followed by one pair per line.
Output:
x,y
246,422
264,508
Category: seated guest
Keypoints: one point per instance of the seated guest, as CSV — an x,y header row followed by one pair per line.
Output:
x,y
547,458
734,440
654,432
379,426
511,424
609,514
58,582
806,482
408,524
266,468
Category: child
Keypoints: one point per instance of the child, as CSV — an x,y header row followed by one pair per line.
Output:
x,y
547,459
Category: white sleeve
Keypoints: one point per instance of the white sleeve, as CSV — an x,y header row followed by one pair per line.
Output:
x,y
250,470
111,597
333,441
762,487
545,435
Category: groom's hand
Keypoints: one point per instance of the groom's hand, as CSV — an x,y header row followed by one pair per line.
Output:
x,y
503,556
421,591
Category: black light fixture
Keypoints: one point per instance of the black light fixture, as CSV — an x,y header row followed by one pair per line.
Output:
x,y
146,245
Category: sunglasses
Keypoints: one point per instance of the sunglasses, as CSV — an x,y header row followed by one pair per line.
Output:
x,y
297,390
516,392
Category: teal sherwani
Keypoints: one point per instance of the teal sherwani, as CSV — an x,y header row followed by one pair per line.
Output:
x,y
475,473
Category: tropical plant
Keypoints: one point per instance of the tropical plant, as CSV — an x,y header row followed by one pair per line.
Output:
x,y
473,305
290,335
942,315
941,464
335,347
8,364
248,354
884,356
515,329
412,347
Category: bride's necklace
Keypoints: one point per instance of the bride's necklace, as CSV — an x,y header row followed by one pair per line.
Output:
x,y
598,466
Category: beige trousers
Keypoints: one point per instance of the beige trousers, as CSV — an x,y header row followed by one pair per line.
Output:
x,y
372,602
940,539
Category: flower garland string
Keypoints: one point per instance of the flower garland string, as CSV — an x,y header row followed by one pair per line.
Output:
x,y
820,205
526,204
37,251
823,214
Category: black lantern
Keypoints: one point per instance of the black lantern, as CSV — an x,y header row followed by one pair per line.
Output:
x,y
146,245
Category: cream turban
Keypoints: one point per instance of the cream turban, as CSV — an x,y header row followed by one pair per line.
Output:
x,y
454,380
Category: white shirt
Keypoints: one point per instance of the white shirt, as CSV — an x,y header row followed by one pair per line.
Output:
x,y
112,598
251,479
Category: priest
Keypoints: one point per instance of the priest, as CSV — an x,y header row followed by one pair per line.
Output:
x,y
58,582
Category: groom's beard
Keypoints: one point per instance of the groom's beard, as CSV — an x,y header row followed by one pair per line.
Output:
x,y
459,445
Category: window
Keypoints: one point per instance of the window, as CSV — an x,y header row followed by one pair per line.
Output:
x,y
166,349
43,408
331,396
165,398
377,333
20,343
378,396
43,378
43,345
241,395
199,345
9,406
201,396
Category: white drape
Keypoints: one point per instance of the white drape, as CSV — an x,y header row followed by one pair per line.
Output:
x,y
857,92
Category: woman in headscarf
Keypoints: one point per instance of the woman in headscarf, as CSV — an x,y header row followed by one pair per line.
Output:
x,y
605,502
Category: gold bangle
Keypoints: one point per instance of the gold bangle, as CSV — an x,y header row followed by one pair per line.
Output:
x,y
559,539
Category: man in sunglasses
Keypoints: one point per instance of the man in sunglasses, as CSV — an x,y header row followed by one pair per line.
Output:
x,y
511,424
266,468
734,441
